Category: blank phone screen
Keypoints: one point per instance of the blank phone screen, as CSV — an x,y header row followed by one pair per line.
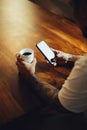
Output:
x,y
45,49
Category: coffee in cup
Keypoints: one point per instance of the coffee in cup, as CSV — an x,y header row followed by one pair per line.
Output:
x,y
26,54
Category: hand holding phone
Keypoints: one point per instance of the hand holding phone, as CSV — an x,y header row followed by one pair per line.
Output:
x,y
46,51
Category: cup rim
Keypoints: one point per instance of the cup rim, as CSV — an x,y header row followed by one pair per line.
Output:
x,y
26,50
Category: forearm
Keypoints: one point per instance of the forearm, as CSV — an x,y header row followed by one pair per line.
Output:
x,y
46,91
73,58
68,56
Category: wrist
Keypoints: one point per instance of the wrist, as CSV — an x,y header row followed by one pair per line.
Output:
x,y
65,56
73,58
70,57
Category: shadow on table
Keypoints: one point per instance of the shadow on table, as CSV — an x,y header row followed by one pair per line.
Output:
x,y
46,119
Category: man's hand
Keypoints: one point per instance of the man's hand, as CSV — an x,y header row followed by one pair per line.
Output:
x,y
46,91
25,68
60,57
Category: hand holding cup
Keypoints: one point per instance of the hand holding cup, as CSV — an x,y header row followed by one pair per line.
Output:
x,y
26,54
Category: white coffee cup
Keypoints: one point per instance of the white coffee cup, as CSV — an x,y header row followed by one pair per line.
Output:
x,y
26,54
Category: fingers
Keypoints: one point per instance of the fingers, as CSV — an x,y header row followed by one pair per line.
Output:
x,y
19,66
19,58
20,62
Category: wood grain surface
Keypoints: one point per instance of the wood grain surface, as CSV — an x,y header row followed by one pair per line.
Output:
x,y
22,25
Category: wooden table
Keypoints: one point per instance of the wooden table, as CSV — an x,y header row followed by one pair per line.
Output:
x,y
22,25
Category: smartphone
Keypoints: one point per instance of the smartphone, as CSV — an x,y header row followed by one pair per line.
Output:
x,y
46,51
